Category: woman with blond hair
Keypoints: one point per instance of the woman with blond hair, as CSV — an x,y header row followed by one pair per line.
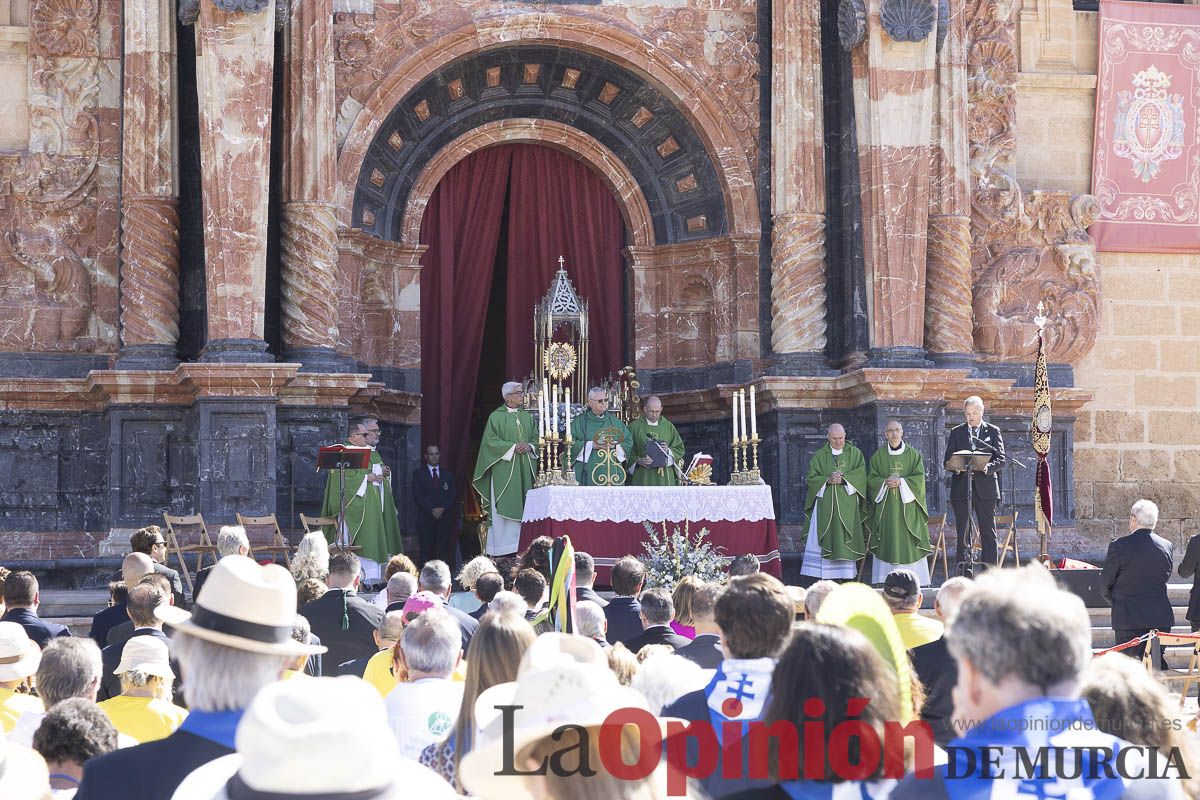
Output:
x,y
496,650
466,601
685,623
1127,702
312,558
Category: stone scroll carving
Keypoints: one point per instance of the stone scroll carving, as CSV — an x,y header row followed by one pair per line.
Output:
x,y
1025,247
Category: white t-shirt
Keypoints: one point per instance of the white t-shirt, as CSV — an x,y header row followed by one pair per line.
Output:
x,y
423,712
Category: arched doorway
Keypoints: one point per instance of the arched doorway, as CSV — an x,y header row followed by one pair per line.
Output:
x,y
495,227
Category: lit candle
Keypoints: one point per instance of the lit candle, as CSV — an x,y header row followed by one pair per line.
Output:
x,y
742,410
567,413
542,412
553,409
733,409
753,415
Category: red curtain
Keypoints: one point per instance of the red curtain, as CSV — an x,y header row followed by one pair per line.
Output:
x,y
462,228
558,206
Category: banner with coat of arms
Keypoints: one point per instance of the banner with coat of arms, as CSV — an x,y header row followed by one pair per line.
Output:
x,y
1146,152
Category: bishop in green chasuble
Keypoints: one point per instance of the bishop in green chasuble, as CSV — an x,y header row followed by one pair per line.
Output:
x,y
506,469
899,520
652,424
601,443
837,506
371,521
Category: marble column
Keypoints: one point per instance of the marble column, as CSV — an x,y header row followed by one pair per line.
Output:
x,y
948,276
894,81
235,54
309,226
149,190
798,180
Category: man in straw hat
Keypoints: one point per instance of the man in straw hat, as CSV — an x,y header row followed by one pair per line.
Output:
x,y
336,723
23,773
236,641
19,658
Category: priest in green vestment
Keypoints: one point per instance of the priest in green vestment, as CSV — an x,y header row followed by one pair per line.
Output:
x,y
601,445
506,469
837,506
652,425
371,522
899,521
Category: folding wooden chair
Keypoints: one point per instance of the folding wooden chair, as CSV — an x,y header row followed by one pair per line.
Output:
x,y
939,547
316,525
266,537
188,534
1190,675
1010,539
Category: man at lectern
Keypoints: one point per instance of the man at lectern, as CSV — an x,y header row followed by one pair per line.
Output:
x,y
981,437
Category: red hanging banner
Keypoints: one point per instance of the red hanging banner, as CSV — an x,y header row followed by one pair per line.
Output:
x,y
1146,150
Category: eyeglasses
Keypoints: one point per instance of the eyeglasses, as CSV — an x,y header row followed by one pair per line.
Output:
x,y
160,544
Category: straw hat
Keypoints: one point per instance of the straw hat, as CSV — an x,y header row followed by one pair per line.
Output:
x,y
326,737
146,654
19,655
563,679
244,606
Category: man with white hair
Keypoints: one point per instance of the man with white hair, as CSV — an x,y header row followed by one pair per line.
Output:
x,y
652,432
836,505
435,578
70,667
506,602
601,443
978,436
1021,645
423,709
505,469
1134,580
590,622
231,541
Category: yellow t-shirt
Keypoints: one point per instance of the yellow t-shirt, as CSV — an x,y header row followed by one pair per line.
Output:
x,y
378,672
916,630
13,705
145,719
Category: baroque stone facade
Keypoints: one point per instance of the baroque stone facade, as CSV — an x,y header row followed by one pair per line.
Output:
x,y
826,199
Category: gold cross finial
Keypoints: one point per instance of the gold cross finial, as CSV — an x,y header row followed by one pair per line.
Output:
x,y
1041,319
560,262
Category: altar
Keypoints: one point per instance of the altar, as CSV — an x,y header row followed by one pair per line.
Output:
x,y
609,522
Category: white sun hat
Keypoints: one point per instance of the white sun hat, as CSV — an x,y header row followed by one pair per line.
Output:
x,y
245,606
325,737
19,655
146,654
564,679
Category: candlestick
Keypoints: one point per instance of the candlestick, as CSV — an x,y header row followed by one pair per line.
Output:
x,y
554,408
753,415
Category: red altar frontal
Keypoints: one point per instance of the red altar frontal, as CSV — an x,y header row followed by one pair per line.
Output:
x,y
610,522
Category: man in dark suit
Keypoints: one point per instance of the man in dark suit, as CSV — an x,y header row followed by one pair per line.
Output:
x,y
345,622
238,642
436,498
435,577
486,588
624,612
143,599
389,632
122,633
1135,575
151,541
705,649
657,612
1187,569
21,598
231,541
937,669
980,436
585,578
133,568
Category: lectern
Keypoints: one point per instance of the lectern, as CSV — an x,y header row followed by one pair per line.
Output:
x,y
969,461
342,458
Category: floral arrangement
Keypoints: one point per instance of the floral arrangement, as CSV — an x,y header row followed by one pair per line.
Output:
x,y
672,554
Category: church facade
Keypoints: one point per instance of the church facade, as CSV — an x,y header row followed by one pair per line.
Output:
x,y
212,240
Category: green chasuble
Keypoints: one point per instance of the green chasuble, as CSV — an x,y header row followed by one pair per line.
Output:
x,y
370,514
601,468
664,432
840,515
509,476
900,529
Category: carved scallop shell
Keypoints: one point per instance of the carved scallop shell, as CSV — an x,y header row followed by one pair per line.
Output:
x,y
852,23
908,20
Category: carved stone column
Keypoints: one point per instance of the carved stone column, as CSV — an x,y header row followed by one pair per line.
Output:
x,y
149,194
894,49
309,226
798,180
235,54
948,276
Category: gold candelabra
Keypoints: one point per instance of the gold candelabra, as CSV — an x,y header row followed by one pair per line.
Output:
x,y
745,441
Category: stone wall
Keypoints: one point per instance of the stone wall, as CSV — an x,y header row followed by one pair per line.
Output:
x,y
1140,435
